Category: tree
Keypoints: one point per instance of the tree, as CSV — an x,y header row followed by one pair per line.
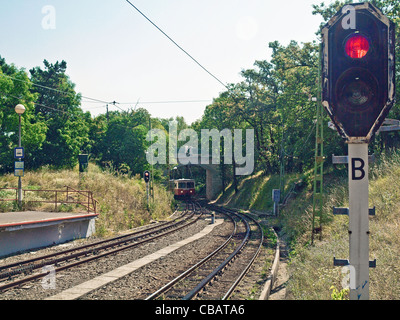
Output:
x,y
121,141
59,105
15,89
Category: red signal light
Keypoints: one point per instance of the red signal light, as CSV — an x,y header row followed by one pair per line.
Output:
x,y
357,46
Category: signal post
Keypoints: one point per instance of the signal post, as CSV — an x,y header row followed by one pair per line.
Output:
x,y
358,87
146,176
359,219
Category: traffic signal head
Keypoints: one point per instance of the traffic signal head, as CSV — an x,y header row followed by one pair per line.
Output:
x,y
146,176
358,63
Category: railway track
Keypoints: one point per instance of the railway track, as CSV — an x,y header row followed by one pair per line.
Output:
x,y
218,274
21,272
215,277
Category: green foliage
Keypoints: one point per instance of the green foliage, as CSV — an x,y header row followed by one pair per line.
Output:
x,y
55,129
274,100
59,105
120,140
339,295
15,88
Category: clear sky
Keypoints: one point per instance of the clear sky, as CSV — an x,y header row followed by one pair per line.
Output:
x,y
114,54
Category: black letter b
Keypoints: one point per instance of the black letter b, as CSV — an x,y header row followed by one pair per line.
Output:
x,y
359,168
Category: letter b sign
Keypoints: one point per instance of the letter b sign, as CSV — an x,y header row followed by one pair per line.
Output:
x,y
357,169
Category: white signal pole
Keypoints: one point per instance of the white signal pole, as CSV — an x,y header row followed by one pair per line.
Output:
x,y
359,219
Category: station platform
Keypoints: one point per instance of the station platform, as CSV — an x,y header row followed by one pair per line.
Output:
x,y
28,230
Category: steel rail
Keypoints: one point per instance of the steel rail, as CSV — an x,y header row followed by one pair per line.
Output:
x,y
222,266
247,268
194,267
97,256
113,241
217,270
24,262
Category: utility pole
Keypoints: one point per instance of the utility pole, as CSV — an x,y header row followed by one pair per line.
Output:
x,y
318,166
147,178
108,117
151,168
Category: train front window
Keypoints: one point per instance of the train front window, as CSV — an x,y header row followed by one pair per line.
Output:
x,y
190,185
182,185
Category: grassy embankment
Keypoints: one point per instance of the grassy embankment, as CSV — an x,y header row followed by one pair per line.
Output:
x,y
122,201
255,192
312,274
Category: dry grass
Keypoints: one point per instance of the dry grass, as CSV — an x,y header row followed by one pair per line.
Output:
x,y
122,201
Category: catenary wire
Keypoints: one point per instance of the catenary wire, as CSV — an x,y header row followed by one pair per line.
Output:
x,y
35,103
183,50
51,89
94,100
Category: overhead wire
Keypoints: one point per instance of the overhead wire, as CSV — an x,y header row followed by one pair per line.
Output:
x,y
177,45
166,102
35,103
51,89
94,100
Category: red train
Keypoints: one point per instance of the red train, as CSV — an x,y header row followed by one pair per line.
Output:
x,y
183,188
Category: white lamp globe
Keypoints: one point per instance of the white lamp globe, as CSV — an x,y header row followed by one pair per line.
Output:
x,y
20,109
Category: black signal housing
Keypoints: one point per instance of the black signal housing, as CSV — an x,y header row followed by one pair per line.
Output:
x,y
358,70
146,176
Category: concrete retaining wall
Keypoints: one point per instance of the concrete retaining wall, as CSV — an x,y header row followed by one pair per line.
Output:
x,y
31,236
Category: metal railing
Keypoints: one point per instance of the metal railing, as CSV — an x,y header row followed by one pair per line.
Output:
x,y
68,196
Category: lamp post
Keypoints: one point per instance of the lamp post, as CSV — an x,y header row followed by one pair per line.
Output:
x,y
19,109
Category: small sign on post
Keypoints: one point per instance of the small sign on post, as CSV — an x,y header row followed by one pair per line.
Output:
x,y
19,153
83,162
19,168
